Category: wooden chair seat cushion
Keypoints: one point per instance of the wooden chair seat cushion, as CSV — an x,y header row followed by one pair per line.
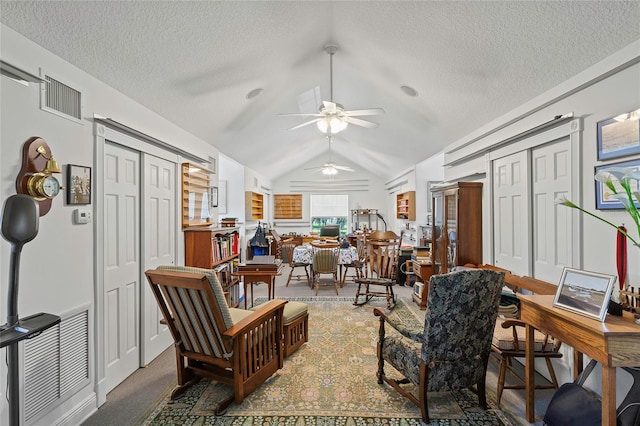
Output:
x,y
293,311
238,315
503,339
375,281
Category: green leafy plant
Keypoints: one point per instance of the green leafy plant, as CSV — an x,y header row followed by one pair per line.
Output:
x,y
619,181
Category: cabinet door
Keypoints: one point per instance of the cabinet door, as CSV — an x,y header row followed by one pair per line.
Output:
x,y
438,249
451,228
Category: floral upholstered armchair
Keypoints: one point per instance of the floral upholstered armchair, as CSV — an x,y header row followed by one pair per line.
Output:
x,y
452,349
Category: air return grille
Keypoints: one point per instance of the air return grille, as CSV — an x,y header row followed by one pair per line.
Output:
x,y
61,99
55,363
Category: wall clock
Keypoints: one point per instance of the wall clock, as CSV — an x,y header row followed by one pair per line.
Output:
x,y
36,177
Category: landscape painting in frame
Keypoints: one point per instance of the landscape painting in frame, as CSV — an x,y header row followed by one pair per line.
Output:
x,y
585,293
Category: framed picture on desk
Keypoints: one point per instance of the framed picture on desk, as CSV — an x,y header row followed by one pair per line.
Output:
x,y
585,293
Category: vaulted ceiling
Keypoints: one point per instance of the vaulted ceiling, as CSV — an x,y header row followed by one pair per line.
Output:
x,y
195,63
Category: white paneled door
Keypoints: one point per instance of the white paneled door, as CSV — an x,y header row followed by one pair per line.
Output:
x,y
159,226
121,262
551,176
512,240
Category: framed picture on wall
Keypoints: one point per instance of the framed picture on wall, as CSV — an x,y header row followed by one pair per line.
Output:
x,y
604,198
213,196
585,293
619,136
78,184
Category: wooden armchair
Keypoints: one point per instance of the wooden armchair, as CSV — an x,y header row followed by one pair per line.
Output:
x,y
383,248
451,350
232,346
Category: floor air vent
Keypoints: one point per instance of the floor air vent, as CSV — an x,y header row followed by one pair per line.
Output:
x,y
55,364
60,99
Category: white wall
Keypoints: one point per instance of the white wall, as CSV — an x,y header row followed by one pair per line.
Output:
x,y
57,268
427,172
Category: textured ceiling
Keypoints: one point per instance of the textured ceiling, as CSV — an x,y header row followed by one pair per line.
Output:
x,y
194,63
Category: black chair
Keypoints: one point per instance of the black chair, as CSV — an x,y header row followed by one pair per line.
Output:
x,y
330,231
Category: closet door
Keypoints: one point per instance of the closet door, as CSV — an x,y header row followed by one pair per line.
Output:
x,y
551,177
121,262
159,228
511,213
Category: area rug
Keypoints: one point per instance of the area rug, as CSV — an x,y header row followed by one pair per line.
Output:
x,y
330,380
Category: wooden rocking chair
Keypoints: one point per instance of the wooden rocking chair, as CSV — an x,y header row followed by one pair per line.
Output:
x,y
232,346
383,249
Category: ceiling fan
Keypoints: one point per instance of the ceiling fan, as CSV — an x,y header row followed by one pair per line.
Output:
x,y
330,168
332,117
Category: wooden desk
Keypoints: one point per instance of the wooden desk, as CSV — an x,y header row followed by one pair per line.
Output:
x,y
257,273
613,343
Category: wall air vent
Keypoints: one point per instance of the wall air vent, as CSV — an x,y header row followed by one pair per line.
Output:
x,y
56,364
60,99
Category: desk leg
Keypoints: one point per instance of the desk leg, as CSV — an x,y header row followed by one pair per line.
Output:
x,y
608,395
529,375
271,288
578,364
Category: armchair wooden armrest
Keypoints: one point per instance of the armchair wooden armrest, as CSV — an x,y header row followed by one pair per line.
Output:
x,y
412,330
259,315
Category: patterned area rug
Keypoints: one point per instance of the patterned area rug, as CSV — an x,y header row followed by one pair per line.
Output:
x,y
330,380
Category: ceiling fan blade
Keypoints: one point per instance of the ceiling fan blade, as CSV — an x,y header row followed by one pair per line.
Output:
x,y
329,107
299,114
359,112
345,168
359,122
304,124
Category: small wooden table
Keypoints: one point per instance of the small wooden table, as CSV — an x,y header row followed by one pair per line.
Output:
x,y
259,273
613,343
423,271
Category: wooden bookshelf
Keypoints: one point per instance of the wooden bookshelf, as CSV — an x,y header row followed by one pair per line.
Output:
x,y
217,249
406,205
287,206
254,204
195,184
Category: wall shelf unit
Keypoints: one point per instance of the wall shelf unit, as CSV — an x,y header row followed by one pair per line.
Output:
x,y
361,218
406,205
287,206
254,205
217,249
196,205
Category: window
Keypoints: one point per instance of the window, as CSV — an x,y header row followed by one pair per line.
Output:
x,y
327,209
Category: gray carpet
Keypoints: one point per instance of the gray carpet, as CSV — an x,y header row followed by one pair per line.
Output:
x,y
135,398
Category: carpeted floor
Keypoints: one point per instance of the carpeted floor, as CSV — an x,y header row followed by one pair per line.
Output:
x,y
330,379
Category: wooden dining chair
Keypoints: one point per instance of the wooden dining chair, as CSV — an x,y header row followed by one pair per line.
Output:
x,y
325,262
287,257
359,264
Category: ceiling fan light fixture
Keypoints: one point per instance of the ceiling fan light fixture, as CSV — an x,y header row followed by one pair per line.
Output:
x,y
331,125
329,170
